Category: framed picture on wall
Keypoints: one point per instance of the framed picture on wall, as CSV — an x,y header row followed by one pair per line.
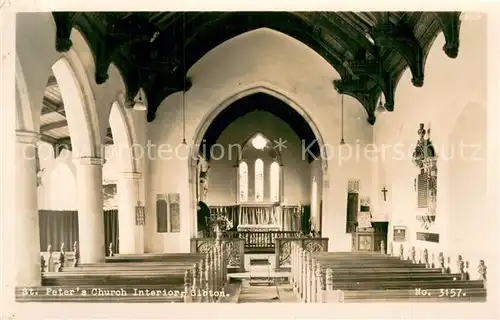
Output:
x,y
399,233
174,209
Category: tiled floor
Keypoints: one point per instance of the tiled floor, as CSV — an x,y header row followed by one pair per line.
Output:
x,y
262,293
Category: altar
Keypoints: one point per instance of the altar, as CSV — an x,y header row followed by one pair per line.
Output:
x,y
259,227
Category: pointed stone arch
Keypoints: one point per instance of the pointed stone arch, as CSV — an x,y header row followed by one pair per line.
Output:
x,y
24,111
83,123
231,97
124,137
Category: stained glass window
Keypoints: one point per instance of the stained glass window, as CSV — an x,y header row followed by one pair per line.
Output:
x,y
243,179
259,180
275,181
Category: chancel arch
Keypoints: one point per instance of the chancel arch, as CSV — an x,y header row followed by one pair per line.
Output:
x,y
260,176
223,86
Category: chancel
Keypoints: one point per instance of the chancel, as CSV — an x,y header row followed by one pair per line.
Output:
x,y
265,156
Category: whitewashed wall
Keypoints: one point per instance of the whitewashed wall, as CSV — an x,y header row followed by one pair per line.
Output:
x,y
255,60
453,103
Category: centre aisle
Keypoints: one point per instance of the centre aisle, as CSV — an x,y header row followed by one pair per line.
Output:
x,y
279,292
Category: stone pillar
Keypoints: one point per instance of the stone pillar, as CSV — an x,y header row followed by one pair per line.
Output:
x,y
26,212
90,209
130,234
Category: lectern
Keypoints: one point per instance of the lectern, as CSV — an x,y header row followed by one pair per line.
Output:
x,y
363,239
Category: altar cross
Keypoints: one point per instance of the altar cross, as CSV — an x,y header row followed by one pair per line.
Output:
x,y
384,191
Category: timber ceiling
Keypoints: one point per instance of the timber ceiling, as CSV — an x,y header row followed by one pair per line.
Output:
x,y
154,50
53,123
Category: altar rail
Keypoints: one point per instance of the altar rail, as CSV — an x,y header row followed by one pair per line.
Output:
x,y
260,241
234,251
283,250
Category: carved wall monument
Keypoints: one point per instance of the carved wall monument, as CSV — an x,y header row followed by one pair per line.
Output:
x,y
425,159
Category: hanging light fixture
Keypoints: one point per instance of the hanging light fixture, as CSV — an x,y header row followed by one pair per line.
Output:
x,y
140,210
184,78
342,142
139,104
380,106
259,142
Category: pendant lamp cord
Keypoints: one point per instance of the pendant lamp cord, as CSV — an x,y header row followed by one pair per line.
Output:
x,y
184,77
342,115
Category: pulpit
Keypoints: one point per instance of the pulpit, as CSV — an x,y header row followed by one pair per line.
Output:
x,y
363,239
368,235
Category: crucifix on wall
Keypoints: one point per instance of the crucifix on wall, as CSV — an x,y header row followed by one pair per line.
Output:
x,y
384,191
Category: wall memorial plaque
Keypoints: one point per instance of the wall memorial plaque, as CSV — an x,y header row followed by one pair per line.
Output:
x,y
399,233
175,215
429,237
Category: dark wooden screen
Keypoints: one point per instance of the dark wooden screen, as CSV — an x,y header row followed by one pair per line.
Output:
x,y
306,219
57,227
111,230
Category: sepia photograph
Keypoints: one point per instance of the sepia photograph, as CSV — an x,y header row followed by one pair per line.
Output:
x,y
243,157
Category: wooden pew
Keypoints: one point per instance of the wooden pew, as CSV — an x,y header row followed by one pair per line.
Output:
x,y
156,257
198,273
181,292
315,274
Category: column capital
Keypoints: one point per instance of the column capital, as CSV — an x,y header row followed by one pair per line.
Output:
x,y
27,137
89,161
131,175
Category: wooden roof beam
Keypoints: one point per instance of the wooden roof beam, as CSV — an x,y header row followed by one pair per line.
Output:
x,y
345,34
54,125
51,106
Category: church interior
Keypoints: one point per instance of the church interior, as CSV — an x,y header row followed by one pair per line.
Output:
x,y
310,157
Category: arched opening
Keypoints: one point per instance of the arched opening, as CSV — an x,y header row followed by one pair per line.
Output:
x,y
122,165
65,134
314,205
243,181
263,134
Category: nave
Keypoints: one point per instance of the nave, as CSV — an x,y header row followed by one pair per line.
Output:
x,y
310,277
328,221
